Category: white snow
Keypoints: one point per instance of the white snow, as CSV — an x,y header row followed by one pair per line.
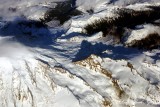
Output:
x,y
141,32
74,70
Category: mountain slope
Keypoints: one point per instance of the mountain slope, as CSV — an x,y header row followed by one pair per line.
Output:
x,y
61,66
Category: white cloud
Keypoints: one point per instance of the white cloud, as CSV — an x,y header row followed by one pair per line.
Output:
x,y
12,49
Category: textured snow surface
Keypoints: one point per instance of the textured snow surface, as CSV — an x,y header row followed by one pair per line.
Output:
x,y
60,67
32,9
144,30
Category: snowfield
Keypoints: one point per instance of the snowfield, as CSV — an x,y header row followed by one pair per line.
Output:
x,y
59,66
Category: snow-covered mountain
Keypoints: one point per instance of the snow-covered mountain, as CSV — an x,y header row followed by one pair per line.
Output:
x,y
54,64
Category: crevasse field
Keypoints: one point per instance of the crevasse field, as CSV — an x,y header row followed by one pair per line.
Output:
x,y
53,64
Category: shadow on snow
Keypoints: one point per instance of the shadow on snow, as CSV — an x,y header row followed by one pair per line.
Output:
x,y
115,52
29,32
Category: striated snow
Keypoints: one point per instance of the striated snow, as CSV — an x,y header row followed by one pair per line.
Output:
x,y
60,67
127,88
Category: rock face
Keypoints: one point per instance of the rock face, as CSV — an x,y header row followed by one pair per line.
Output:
x,y
32,83
121,82
94,81
62,12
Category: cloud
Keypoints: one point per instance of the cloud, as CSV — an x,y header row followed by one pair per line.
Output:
x,y
12,49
